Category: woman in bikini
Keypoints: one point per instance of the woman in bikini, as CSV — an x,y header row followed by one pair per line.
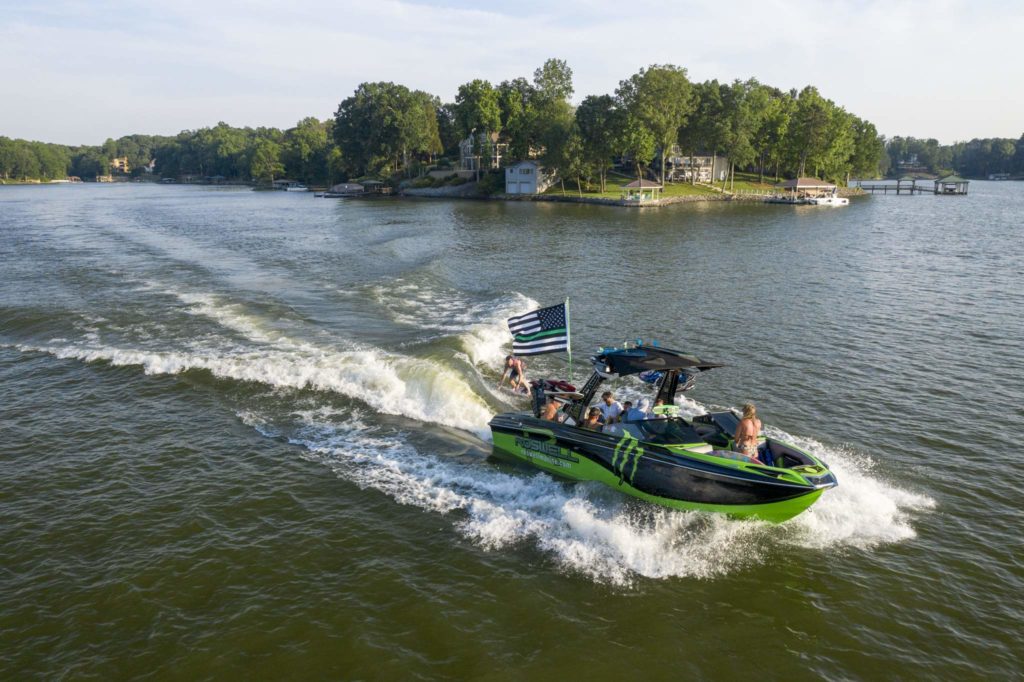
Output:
x,y
747,432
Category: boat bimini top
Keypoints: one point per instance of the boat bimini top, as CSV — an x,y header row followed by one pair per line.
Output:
x,y
662,365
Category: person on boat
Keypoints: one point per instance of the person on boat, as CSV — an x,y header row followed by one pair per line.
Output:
x,y
515,372
592,422
611,409
747,432
640,412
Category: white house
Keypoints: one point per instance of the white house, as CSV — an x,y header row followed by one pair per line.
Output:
x,y
705,168
488,152
526,177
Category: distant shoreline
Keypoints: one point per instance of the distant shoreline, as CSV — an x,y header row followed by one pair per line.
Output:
x,y
466,192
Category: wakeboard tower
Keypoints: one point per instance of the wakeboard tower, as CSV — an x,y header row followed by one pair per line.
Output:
x,y
666,460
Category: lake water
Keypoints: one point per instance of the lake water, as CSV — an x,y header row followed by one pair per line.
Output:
x,y
243,435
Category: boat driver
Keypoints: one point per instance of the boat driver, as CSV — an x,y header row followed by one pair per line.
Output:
x,y
552,412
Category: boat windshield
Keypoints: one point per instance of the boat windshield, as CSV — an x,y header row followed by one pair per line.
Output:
x,y
672,431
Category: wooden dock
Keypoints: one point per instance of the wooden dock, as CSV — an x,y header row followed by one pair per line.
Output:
x,y
948,186
886,187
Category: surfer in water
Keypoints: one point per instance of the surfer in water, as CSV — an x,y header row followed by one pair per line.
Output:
x,y
515,372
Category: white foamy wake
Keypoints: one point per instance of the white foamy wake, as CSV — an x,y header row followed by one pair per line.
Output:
x,y
391,384
584,528
234,316
590,529
863,511
479,325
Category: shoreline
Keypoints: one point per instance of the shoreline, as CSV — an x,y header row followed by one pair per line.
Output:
x,y
468,191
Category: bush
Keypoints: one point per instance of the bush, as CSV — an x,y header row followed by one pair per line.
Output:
x,y
456,180
492,182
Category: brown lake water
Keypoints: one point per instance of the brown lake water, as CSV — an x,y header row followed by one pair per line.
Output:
x,y
243,435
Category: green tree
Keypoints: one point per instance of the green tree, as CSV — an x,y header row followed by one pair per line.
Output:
x,y
305,151
6,157
382,124
447,129
418,130
707,129
517,103
635,140
597,123
809,140
553,80
868,149
770,137
477,109
266,161
744,105
659,98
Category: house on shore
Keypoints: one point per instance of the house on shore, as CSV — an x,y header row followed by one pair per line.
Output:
x,y
526,177
487,154
702,168
120,165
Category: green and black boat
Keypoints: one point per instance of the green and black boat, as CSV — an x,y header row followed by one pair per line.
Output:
x,y
667,460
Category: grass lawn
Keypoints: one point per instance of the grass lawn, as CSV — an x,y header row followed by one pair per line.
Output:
x,y
614,190
748,181
744,182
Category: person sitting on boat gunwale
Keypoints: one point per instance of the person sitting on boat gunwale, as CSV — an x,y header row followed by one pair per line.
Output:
x,y
747,432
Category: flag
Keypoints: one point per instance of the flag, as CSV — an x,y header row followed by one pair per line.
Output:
x,y
541,331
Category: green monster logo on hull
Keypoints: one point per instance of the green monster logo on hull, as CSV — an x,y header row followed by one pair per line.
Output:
x,y
550,453
633,450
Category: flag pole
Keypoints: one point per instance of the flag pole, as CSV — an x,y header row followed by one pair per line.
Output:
x,y
568,338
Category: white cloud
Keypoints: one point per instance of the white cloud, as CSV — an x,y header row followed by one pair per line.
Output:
x,y
79,73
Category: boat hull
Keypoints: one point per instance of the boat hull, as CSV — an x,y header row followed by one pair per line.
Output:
x,y
659,475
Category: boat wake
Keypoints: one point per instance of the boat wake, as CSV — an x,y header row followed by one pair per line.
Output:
x,y
586,528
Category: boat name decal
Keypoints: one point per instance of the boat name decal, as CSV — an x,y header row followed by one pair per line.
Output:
x,y
547,452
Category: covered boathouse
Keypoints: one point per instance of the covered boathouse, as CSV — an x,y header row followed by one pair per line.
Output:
x,y
641,192
951,184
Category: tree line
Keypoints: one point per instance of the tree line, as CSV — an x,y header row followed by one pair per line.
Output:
x,y
387,130
221,151
977,159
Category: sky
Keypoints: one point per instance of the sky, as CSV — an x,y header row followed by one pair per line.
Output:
x,y
78,72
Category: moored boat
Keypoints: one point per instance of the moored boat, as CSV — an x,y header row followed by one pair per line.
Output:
x,y
830,200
